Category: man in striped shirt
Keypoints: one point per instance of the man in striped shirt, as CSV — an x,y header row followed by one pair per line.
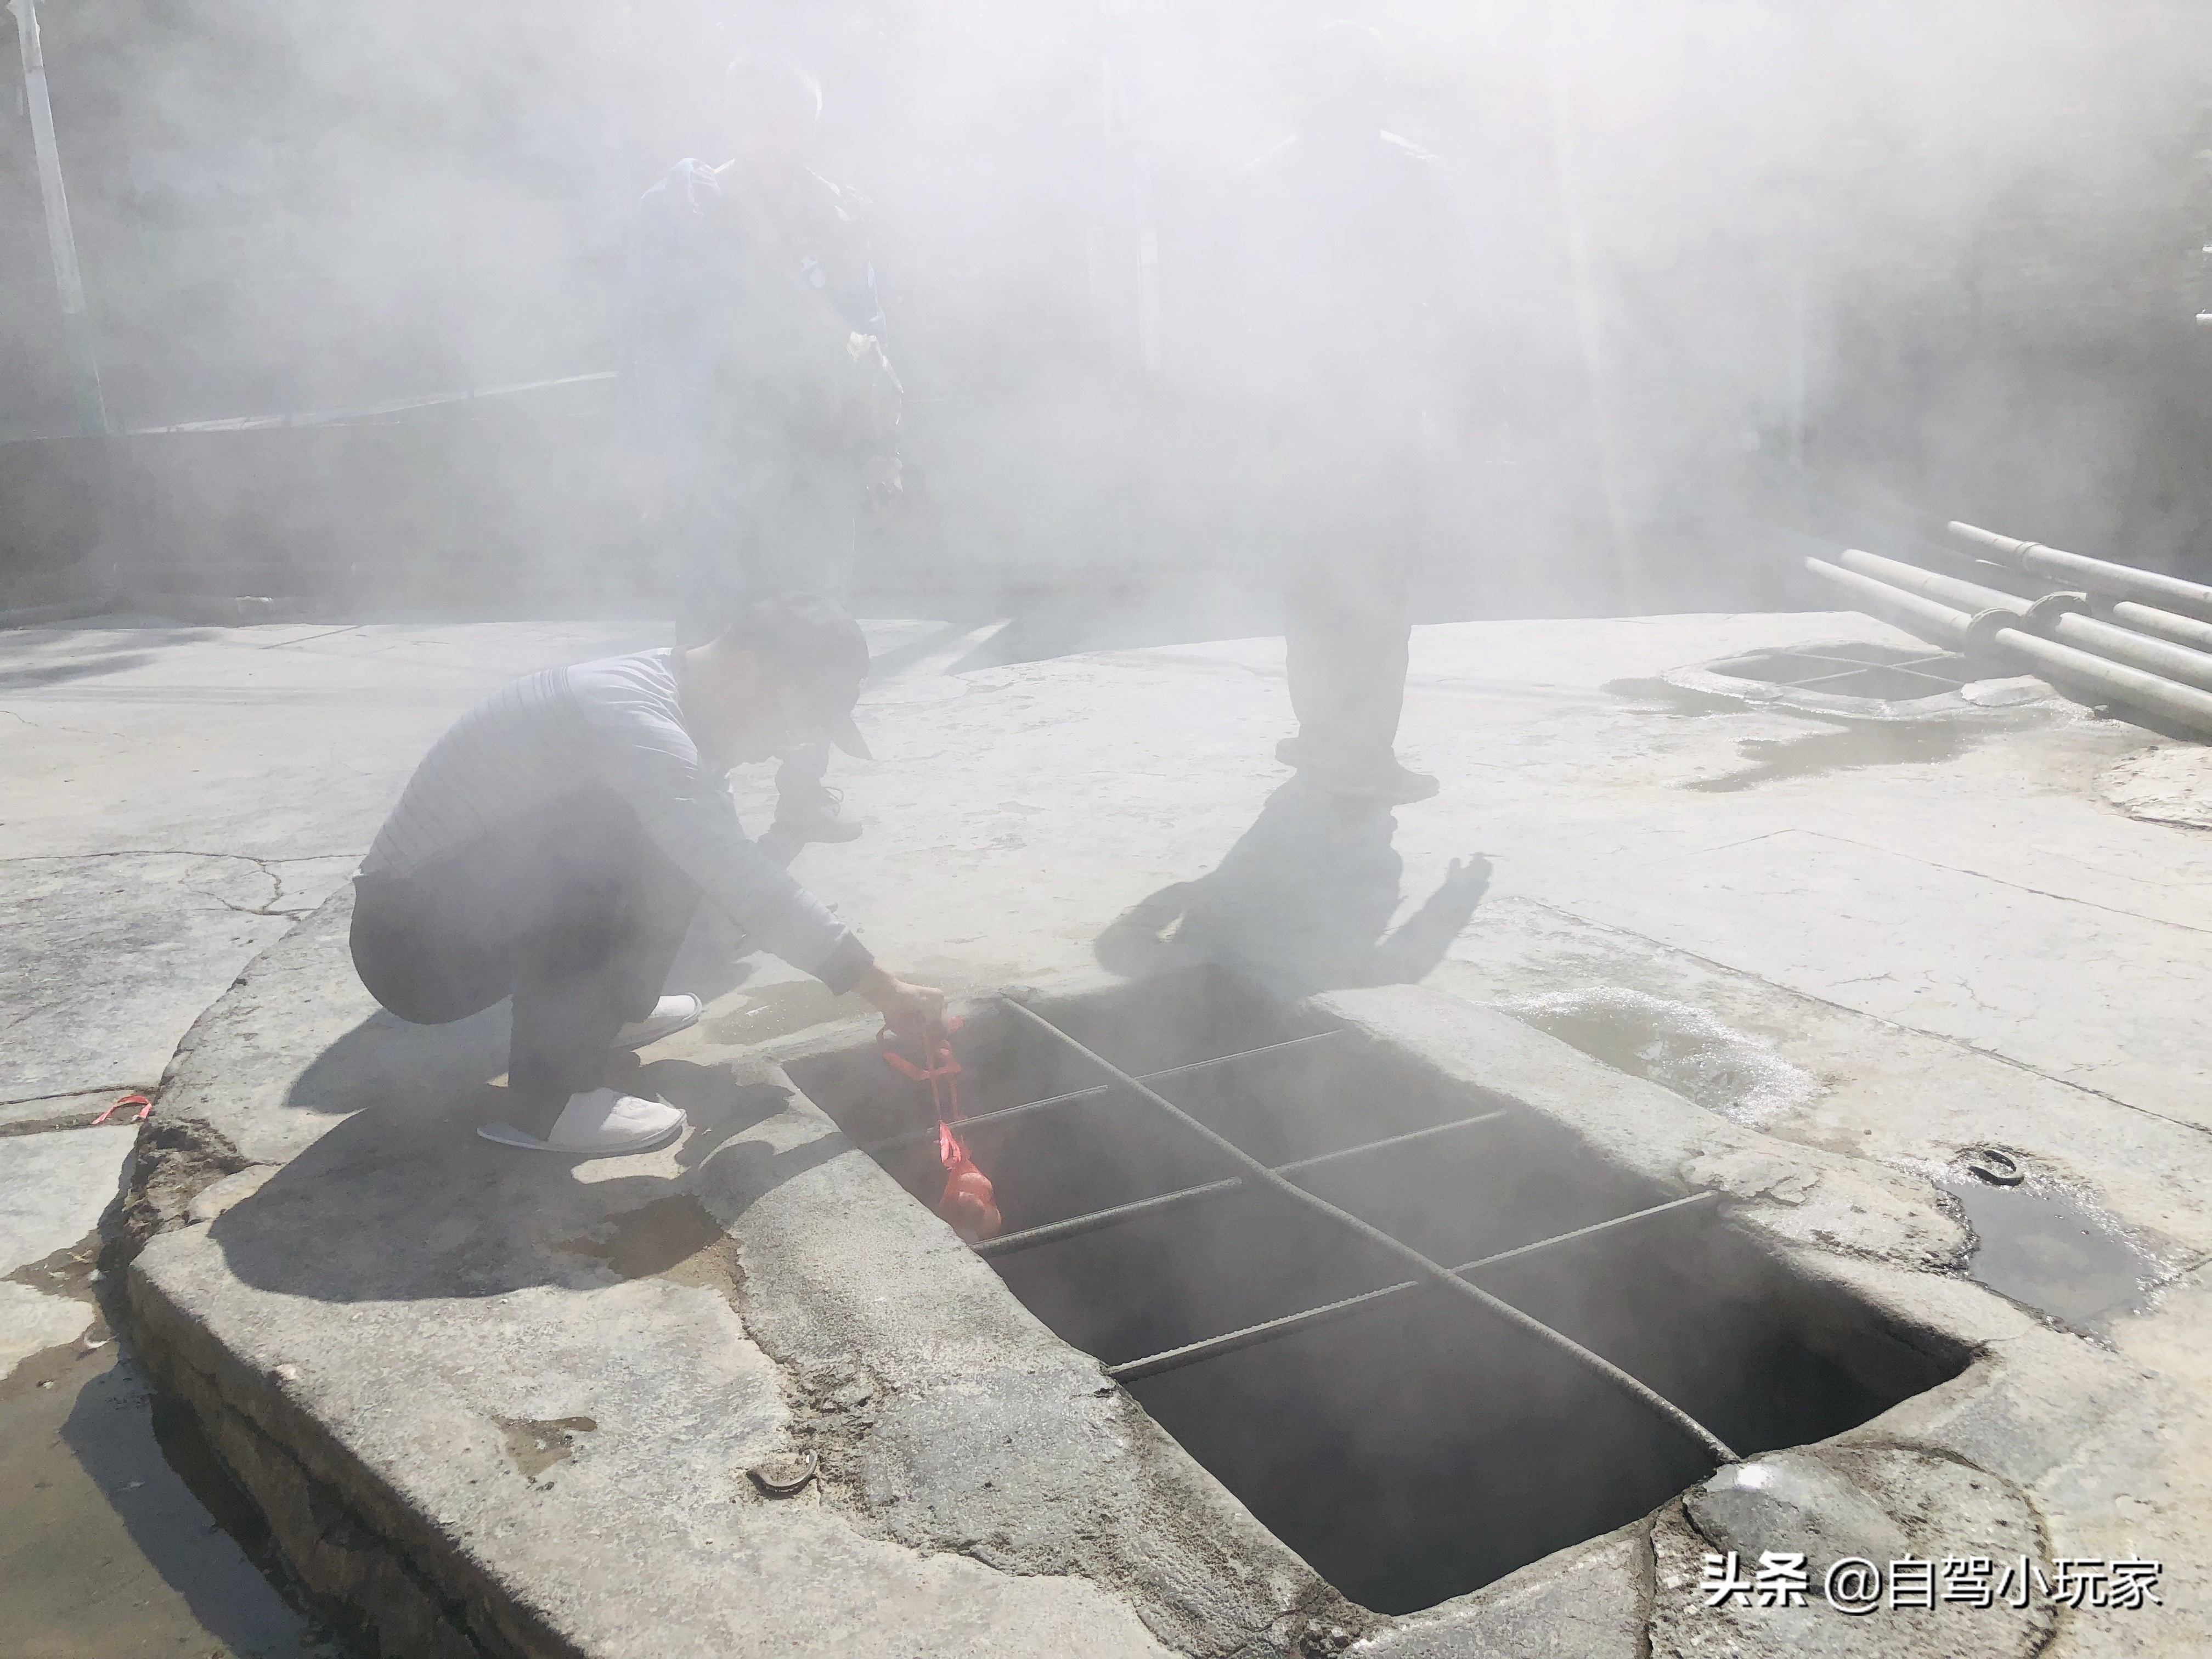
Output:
x,y
552,847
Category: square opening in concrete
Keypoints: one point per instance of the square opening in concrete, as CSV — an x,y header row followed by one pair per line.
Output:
x,y
1415,1447
1882,672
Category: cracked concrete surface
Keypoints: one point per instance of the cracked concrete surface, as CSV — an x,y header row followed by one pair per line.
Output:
x,y
1968,947
175,797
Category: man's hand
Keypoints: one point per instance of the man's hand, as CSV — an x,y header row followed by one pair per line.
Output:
x,y
905,1008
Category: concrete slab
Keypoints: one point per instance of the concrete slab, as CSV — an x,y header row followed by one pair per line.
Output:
x,y
58,1184
1940,945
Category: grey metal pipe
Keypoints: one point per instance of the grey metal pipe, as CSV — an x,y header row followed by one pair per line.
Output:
x,y
2048,617
2097,575
2159,624
2184,705
1969,597
1939,624
2104,639
1434,1271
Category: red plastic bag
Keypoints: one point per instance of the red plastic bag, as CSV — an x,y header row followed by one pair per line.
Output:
x,y
968,1205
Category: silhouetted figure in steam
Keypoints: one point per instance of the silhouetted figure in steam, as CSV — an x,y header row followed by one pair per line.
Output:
x,y
1347,274
756,397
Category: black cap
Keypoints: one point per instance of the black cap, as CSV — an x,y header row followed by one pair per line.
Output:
x,y
815,643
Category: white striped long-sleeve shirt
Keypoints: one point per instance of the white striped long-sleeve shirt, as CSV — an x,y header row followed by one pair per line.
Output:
x,y
617,723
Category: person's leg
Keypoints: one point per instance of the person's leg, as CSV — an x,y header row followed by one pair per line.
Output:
x,y
1345,635
807,544
605,919
712,537
432,947
1346,630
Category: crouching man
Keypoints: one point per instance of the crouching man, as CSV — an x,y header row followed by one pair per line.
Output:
x,y
552,847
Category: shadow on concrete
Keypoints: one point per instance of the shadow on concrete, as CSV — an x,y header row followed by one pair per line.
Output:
x,y
88,668
402,1200
1302,902
1846,747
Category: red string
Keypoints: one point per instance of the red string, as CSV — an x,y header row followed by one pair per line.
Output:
x,y
968,1202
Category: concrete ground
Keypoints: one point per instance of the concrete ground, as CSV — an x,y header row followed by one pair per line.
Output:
x,y
174,799
1877,943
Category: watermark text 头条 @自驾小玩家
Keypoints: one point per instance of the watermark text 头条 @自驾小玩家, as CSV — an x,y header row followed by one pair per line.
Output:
x,y
1857,1586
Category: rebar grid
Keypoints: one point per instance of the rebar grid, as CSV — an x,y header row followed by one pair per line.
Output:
x,y
1910,669
1091,1221
1433,1272
910,1137
1329,1313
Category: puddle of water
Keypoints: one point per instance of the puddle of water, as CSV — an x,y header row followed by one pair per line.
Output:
x,y
1885,743
1675,1046
1678,699
2040,1246
535,1444
120,1531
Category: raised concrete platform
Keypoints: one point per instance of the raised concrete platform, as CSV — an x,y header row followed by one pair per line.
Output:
x,y
1869,958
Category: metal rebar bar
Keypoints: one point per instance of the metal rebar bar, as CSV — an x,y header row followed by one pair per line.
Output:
x,y
1910,669
928,1132
1132,1370
1432,1271
1091,1221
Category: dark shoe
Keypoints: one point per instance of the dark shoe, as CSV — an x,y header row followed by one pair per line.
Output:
x,y
1386,783
817,815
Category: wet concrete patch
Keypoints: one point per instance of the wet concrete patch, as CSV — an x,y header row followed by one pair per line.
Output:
x,y
2047,1249
1674,1045
672,1238
71,1272
535,1444
1681,700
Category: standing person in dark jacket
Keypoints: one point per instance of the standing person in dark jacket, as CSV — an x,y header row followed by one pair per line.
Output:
x,y
1348,273
757,401
552,846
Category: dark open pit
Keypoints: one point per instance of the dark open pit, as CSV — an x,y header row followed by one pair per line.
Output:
x,y
1421,1447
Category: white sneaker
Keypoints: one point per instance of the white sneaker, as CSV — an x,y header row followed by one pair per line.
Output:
x,y
669,1016
598,1125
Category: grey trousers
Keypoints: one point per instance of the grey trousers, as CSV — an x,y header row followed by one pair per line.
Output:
x,y
1345,634
763,523
1348,532
576,916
